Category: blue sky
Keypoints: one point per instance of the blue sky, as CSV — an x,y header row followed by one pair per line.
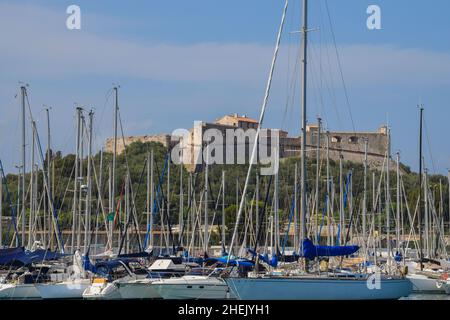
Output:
x,y
178,61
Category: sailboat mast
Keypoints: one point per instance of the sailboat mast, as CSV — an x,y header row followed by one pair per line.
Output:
x,y
448,178
23,92
329,236
388,197
223,204
48,179
304,232
113,178
319,124
419,216
398,203
152,188
80,178
205,239
364,215
75,181
1,211
295,207
181,209
426,213
87,225
341,201
276,217
31,216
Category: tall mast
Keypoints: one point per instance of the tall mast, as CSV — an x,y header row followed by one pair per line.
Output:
x,y
110,197
364,215
397,229
168,203
304,232
19,190
388,197
48,177
448,178
1,212
329,237
75,181
152,188
341,201
23,191
113,178
87,225
319,123
181,210
127,211
426,214
276,217
100,201
205,239
296,207
148,198
80,178
373,217
31,216
223,204
419,216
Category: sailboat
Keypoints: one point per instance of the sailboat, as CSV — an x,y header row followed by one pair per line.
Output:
x,y
425,274
144,288
307,286
192,286
70,288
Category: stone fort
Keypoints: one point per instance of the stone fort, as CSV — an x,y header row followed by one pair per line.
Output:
x,y
348,145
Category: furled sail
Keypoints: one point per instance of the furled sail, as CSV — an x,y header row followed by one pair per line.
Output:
x,y
311,251
20,257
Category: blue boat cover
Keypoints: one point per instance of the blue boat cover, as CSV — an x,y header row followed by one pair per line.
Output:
x,y
21,257
272,262
311,251
232,262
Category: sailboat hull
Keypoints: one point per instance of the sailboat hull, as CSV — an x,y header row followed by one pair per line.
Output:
x,y
63,290
422,283
140,289
18,291
317,289
192,287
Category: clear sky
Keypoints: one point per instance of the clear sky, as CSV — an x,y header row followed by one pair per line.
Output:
x,y
178,61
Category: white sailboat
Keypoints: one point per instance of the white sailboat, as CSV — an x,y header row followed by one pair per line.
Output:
x,y
22,288
144,288
325,286
112,272
70,288
193,287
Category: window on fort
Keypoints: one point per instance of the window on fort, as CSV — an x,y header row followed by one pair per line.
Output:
x,y
353,140
336,139
314,138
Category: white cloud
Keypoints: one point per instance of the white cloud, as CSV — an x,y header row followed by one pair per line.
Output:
x,y
35,46
41,47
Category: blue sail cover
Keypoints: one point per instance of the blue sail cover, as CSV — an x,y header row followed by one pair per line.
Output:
x,y
232,262
311,251
271,262
21,257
